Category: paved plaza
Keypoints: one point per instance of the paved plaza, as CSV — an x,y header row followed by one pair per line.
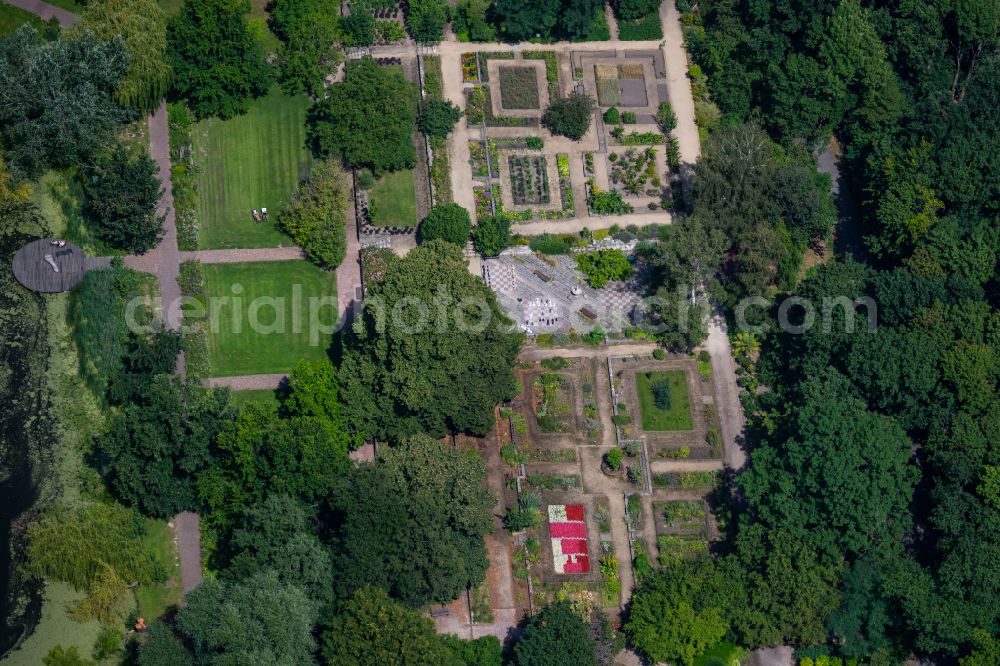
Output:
x,y
551,296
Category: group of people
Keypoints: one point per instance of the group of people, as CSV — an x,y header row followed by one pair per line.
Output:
x,y
260,215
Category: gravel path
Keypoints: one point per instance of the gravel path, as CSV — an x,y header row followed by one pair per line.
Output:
x,y
246,382
349,271
45,11
187,526
169,261
244,255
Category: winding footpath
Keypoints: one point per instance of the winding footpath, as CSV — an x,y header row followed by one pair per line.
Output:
x,y
164,262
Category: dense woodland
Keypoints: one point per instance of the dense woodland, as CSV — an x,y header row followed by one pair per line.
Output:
x,y
867,519
866,524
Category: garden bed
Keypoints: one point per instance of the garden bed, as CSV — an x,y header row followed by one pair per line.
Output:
x,y
529,179
634,171
643,29
551,69
486,56
685,479
681,517
519,88
568,538
552,399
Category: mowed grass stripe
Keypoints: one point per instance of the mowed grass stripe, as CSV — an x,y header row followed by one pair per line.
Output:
x,y
246,351
252,161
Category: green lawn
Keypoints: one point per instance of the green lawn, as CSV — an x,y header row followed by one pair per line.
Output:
x,y
252,161
645,28
395,199
155,600
279,340
654,419
11,18
265,396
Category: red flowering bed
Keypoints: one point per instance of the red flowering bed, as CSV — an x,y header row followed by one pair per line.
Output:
x,y
568,532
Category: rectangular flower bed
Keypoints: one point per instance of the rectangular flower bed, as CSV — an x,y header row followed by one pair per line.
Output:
x,y
568,533
470,67
529,179
518,88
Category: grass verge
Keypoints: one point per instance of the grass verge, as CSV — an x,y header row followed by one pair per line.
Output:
x,y
393,200
654,419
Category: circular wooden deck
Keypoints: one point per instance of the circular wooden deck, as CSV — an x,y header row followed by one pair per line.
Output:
x,y
36,273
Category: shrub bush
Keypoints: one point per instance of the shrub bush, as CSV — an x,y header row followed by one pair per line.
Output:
x,y
438,117
555,363
661,394
611,116
659,354
549,244
569,116
613,458
316,215
448,222
665,117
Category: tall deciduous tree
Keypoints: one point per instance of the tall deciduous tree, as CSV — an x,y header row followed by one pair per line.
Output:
x,y
370,629
154,447
842,477
557,636
635,9
257,621
122,195
260,453
367,119
431,351
426,19
677,613
412,523
779,591
317,215
275,536
309,32
97,548
218,62
523,20
59,106
142,26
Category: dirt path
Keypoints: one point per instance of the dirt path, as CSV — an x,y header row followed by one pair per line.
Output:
x,y
168,257
602,392
609,16
678,85
45,11
349,271
246,382
234,256
636,349
727,394
187,526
